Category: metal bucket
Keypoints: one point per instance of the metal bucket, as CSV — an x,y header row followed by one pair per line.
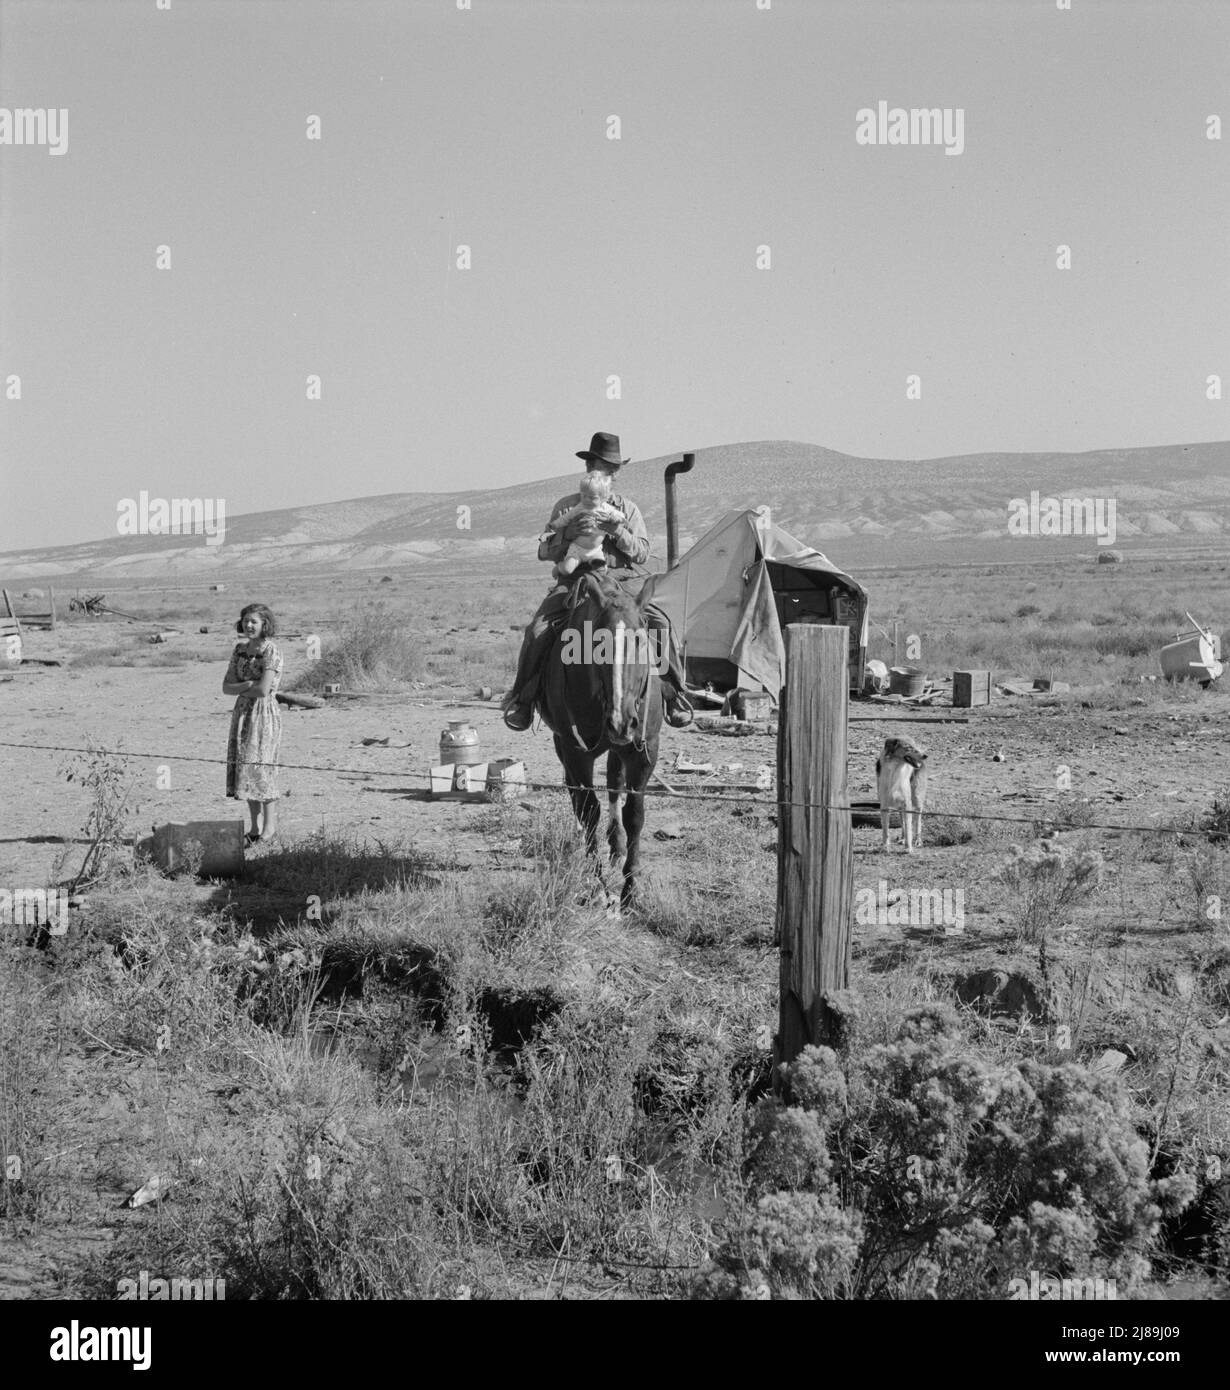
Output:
x,y
459,744
907,681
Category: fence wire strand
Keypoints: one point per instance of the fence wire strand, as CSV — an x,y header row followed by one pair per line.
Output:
x,y
666,794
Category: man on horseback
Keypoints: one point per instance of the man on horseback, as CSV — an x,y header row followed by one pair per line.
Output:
x,y
626,548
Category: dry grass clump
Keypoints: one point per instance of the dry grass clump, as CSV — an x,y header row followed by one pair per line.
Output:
x,y
374,649
1046,878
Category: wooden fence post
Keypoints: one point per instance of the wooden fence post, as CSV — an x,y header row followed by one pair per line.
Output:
x,y
52,592
815,869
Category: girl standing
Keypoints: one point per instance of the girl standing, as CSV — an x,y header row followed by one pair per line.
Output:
x,y
256,723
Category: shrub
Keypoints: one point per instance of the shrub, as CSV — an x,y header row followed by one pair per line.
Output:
x,y
1217,818
1047,877
920,1170
374,649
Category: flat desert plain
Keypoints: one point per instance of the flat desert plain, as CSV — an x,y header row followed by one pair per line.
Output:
x,y
1071,839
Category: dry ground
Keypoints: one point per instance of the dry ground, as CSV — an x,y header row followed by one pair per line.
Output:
x,y
1136,965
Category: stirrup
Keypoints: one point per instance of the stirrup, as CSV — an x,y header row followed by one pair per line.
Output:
x,y
679,711
519,717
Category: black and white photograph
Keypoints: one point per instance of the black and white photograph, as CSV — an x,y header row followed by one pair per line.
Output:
x,y
611,664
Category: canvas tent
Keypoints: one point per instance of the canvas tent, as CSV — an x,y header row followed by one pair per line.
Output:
x,y
730,596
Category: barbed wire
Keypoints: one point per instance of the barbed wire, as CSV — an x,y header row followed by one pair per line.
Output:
x,y
667,793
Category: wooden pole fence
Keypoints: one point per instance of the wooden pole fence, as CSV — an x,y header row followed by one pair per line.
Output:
x,y
815,867
47,620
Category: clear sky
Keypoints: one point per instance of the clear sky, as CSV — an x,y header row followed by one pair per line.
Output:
x,y
591,257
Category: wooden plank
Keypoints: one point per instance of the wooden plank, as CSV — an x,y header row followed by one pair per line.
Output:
x,y
815,866
299,701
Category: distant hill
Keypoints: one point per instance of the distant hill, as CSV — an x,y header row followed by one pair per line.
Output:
x,y
819,495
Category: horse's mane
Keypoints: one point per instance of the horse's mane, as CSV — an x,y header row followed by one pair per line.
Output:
x,y
607,595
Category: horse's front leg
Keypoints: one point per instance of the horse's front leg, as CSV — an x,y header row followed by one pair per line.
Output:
x,y
579,774
633,823
615,786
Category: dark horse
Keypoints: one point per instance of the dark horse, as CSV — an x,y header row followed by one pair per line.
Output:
x,y
600,694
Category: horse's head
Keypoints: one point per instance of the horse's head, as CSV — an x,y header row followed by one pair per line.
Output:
x,y
621,650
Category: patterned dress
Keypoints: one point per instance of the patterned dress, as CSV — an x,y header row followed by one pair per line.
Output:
x,y
256,728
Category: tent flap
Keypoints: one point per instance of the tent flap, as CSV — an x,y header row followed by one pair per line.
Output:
x,y
757,645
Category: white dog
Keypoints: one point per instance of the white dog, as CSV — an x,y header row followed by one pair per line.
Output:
x,y
901,779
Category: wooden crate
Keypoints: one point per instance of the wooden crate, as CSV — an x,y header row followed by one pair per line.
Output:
x,y
751,704
458,782
970,688
503,779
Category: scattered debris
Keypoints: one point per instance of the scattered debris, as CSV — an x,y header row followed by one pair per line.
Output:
x,y
738,777
875,678
728,724
683,763
299,701
1001,992
1196,656
153,1190
1111,1061
92,606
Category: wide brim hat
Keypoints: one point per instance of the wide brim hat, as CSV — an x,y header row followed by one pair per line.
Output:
x,y
603,448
